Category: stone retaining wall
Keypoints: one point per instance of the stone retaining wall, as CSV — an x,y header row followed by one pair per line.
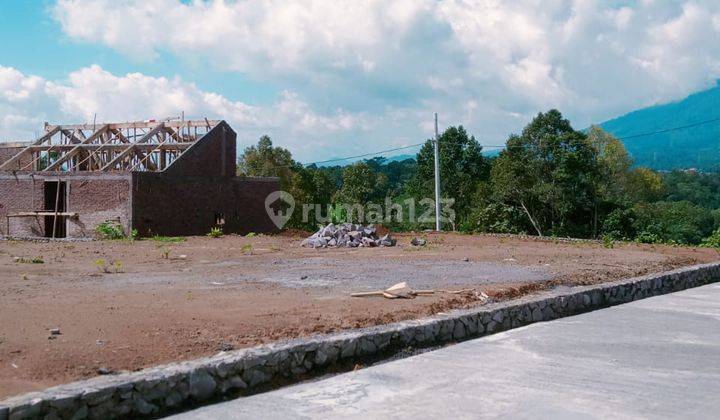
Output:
x,y
169,388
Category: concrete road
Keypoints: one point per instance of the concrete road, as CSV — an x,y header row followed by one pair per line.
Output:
x,y
655,358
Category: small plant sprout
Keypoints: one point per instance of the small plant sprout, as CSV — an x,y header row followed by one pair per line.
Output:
x,y
118,266
165,252
247,249
608,242
102,265
215,232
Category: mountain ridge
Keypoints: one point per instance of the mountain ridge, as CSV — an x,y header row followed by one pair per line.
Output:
x,y
692,146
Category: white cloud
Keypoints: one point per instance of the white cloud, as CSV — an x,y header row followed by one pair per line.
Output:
x,y
590,58
382,67
29,100
245,35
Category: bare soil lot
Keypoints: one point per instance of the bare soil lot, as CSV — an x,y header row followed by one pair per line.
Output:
x,y
176,301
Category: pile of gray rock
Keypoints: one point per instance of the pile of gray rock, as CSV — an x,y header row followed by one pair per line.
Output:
x,y
347,235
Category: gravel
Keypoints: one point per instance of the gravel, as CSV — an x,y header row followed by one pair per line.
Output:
x,y
380,273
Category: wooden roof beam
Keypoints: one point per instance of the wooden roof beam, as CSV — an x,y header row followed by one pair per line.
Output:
x,y
37,142
141,124
109,146
131,147
76,149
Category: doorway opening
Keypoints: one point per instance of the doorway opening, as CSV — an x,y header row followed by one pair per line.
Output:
x,y
55,193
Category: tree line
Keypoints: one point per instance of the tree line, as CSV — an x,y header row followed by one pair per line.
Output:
x,y
549,180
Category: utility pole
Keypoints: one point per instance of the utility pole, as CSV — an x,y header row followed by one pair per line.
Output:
x,y
437,176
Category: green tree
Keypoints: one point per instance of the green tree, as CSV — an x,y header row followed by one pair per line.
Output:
x,y
462,166
361,185
266,160
311,187
615,164
550,173
645,185
698,188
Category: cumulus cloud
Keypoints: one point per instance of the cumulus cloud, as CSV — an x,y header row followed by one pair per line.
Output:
x,y
593,56
379,68
29,100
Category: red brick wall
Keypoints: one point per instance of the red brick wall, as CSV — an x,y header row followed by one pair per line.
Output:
x,y
18,194
176,206
98,200
95,197
8,152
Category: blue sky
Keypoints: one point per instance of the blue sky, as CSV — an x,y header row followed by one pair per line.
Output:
x,y
37,45
328,78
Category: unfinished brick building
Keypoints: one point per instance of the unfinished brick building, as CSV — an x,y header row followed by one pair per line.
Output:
x,y
161,178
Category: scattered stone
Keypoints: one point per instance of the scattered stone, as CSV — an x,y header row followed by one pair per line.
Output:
x,y
347,235
55,331
418,242
466,259
225,347
387,241
105,371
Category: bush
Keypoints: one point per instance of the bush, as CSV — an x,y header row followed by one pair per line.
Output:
x,y
495,218
608,242
110,230
619,225
215,232
679,222
645,237
712,241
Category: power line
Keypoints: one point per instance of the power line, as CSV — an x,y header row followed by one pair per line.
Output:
x,y
364,155
505,146
682,127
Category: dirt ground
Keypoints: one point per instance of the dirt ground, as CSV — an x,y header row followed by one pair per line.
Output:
x,y
124,305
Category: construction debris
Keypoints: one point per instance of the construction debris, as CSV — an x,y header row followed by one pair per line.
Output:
x,y
105,371
418,242
347,235
402,290
399,290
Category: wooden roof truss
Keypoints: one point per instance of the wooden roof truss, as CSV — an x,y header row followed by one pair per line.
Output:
x,y
132,146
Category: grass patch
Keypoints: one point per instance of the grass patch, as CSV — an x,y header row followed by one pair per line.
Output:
x,y
168,239
110,230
